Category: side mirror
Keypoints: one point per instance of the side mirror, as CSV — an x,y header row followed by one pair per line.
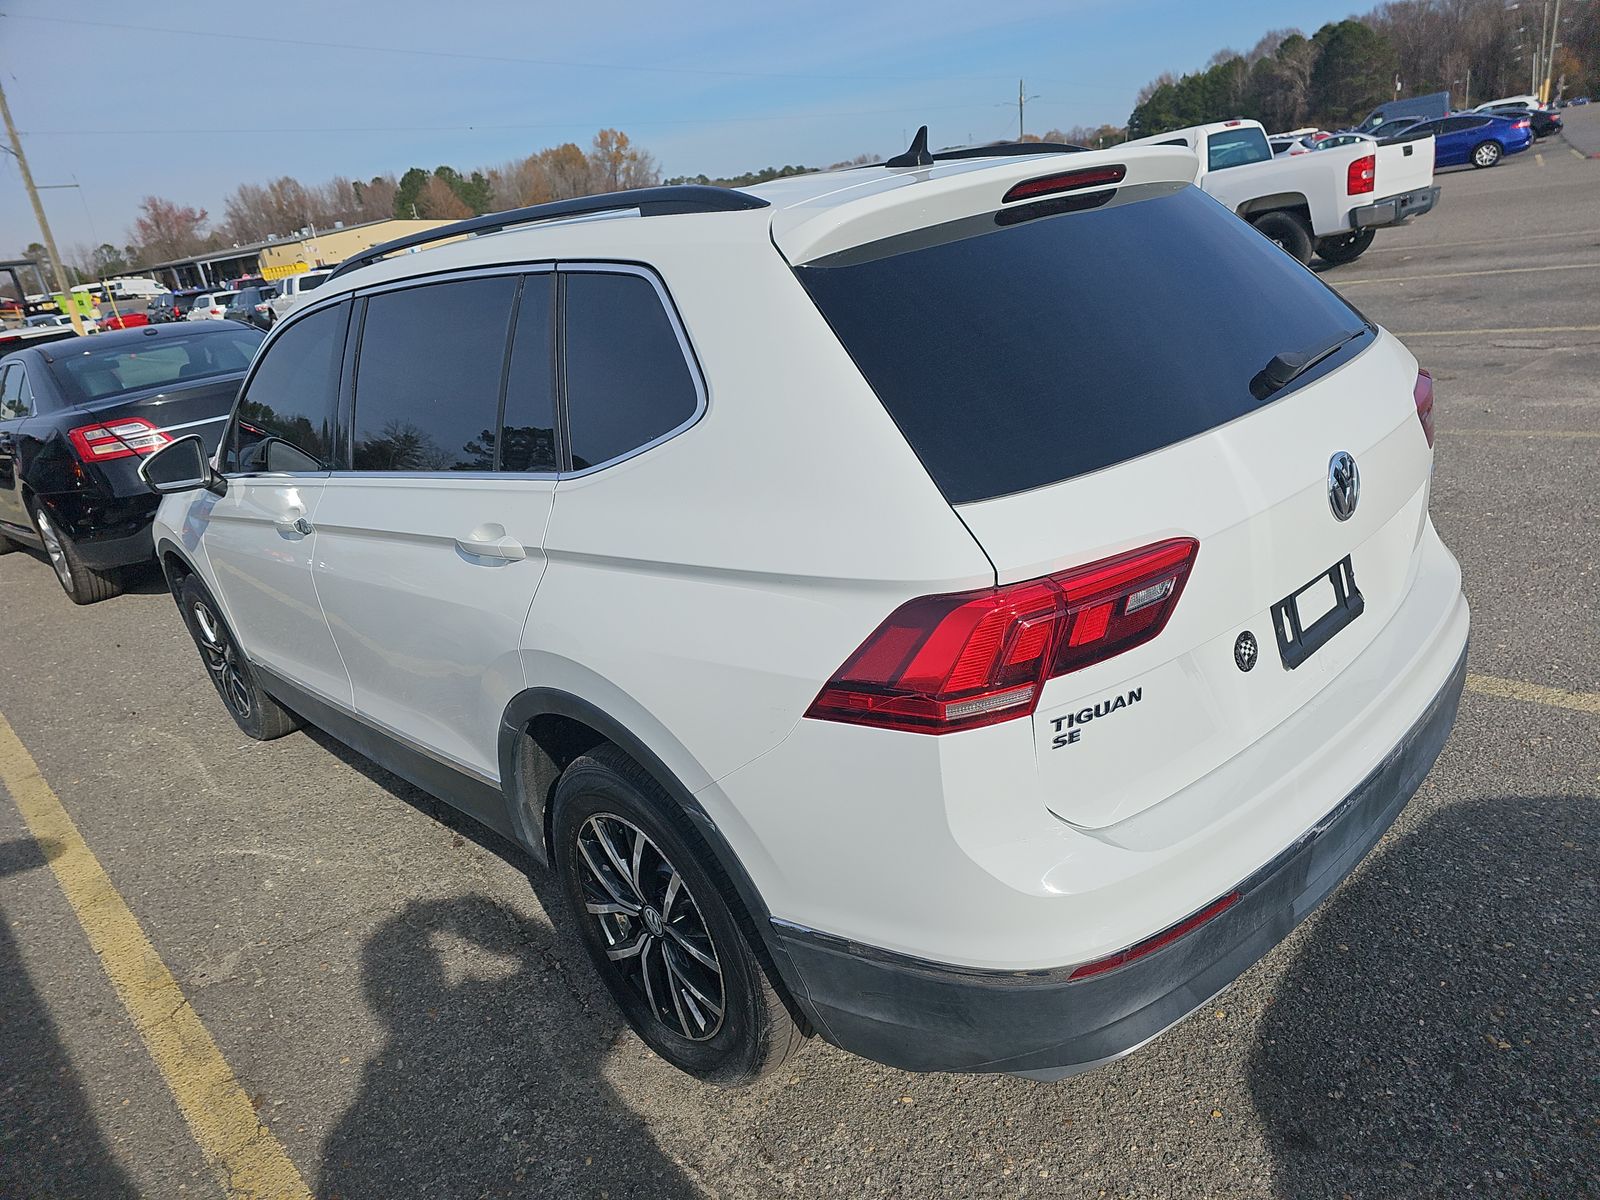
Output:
x,y
180,467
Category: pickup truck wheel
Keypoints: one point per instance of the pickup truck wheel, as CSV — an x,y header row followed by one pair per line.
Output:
x,y
1289,231
1486,154
1345,248
82,583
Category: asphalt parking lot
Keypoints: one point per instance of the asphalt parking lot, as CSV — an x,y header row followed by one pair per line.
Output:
x,y
250,969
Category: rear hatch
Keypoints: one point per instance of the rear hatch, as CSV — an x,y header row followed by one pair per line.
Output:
x,y
1081,384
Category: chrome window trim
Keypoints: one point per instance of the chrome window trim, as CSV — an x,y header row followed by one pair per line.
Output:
x,y
696,375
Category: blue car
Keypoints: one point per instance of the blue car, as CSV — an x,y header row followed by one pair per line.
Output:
x,y
1477,138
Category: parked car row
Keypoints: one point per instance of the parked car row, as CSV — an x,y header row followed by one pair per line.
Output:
x,y
871,763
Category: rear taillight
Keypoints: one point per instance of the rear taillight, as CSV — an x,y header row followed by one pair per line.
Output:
x,y
1362,175
116,439
1522,125
1422,393
944,663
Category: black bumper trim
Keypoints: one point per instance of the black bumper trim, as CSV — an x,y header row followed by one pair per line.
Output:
x,y
925,1016
1395,210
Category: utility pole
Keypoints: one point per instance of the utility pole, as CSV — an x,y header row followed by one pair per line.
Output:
x,y
1022,100
1550,55
38,211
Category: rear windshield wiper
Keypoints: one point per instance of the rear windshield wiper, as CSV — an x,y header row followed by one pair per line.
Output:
x,y
1285,368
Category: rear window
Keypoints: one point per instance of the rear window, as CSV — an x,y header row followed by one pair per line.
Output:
x,y
1021,354
94,374
1236,148
308,282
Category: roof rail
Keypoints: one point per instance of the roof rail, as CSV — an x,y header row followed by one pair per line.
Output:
x,y
650,201
1009,149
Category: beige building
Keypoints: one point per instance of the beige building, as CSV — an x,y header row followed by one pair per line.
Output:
x,y
331,247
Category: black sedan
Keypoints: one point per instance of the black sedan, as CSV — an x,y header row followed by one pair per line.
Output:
x,y
76,419
1544,121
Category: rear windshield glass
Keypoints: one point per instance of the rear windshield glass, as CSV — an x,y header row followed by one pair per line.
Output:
x,y
156,362
1018,354
1236,147
307,282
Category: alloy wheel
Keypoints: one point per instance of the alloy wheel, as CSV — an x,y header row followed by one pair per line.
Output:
x,y
1487,154
222,660
651,926
54,548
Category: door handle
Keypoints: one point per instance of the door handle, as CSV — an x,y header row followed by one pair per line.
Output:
x,y
491,541
297,525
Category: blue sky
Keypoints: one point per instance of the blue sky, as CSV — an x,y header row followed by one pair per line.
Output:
x,y
137,99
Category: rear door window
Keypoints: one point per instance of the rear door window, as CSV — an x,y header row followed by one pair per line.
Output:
x,y
285,419
1021,348
628,380
428,376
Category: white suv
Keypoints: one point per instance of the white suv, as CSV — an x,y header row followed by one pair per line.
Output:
x,y
969,608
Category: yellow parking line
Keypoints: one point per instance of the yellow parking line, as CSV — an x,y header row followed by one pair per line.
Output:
x,y
248,1160
1527,433
1515,689
1538,158
1468,274
1574,153
1528,329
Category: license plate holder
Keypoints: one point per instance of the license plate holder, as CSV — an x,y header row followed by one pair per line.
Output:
x,y
1302,635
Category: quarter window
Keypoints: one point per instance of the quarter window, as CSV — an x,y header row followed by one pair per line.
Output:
x,y
16,395
285,419
428,376
628,382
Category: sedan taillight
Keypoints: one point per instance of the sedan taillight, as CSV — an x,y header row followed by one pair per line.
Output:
x,y
944,663
116,439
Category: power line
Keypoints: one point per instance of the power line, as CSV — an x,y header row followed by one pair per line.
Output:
x,y
467,56
497,128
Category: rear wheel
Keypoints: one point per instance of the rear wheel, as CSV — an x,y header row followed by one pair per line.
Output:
x,y
1289,231
252,710
83,583
1345,248
1486,154
656,923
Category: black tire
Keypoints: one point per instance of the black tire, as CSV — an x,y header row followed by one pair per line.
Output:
x,y
82,583
1289,231
1486,154
691,938
1346,248
252,710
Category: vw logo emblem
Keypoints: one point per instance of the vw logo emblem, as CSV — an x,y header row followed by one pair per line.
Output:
x,y
653,922
1344,485
1245,650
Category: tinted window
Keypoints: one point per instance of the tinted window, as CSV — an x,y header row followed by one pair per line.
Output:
x,y
1019,354
285,419
127,366
1236,147
307,282
428,376
528,441
627,380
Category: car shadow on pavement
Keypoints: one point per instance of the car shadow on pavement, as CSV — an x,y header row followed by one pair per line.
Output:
x,y
490,1080
1439,1032
50,1142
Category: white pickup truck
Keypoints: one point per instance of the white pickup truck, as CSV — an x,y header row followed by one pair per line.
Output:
x,y
1331,202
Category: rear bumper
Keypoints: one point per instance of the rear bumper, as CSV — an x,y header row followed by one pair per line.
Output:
x,y
107,532
924,1016
1395,209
